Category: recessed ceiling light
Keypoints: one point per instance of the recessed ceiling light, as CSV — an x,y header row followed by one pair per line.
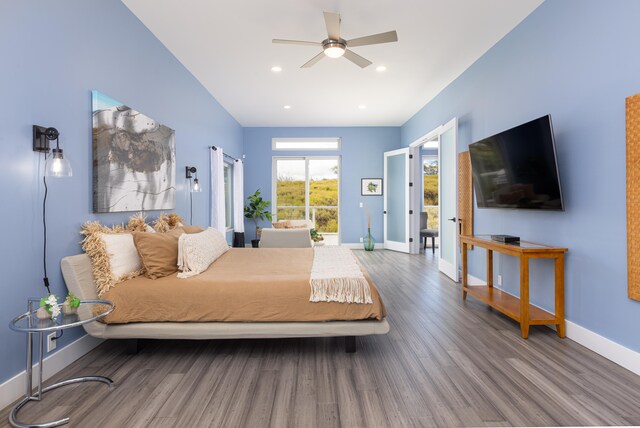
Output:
x,y
287,107
276,69
381,68
362,106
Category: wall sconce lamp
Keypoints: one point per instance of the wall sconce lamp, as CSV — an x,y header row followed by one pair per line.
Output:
x,y
57,166
195,185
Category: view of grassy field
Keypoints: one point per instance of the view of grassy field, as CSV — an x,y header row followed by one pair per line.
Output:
x,y
322,193
431,198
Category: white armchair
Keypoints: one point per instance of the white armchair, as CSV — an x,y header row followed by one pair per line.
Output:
x,y
285,238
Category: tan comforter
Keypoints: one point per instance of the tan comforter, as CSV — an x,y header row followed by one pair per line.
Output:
x,y
245,284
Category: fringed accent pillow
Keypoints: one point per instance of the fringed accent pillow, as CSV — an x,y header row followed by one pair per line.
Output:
x,y
283,224
138,223
197,251
113,254
167,222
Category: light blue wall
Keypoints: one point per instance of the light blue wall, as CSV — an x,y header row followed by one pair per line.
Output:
x,y
577,60
53,55
362,157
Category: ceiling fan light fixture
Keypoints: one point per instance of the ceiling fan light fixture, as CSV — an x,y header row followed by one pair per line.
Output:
x,y
333,48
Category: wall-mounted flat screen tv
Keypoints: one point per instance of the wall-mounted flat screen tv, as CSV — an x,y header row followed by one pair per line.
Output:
x,y
517,168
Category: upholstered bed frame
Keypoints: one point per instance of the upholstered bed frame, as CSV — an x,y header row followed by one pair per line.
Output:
x,y
79,278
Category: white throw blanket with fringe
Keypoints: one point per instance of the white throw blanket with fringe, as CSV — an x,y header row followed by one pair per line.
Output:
x,y
336,277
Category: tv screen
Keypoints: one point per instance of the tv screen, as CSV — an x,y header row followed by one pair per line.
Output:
x,y
517,168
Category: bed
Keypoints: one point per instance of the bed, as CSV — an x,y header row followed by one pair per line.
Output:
x,y
247,293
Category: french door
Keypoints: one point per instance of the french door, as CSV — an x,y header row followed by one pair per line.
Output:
x,y
397,222
308,188
448,191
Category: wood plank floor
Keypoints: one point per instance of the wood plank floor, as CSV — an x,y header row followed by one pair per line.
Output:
x,y
444,363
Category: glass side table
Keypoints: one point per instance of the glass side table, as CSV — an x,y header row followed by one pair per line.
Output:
x,y
89,310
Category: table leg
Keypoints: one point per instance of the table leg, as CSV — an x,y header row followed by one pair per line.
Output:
x,y
490,268
524,296
464,271
13,420
29,369
40,358
559,283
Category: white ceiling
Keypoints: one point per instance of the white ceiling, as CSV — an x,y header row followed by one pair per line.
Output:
x,y
227,46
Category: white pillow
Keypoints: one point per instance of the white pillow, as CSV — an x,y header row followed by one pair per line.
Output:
x,y
196,251
123,255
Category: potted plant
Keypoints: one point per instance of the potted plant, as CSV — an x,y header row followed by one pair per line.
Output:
x,y
49,307
257,209
316,237
71,304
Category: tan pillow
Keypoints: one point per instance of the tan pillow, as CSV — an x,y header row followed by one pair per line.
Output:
x,y
113,254
284,224
158,252
297,226
193,229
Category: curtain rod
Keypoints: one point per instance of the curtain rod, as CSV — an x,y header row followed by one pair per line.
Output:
x,y
224,154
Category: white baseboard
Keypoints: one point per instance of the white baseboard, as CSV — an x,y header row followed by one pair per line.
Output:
x,y
621,355
472,280
14,388
353,245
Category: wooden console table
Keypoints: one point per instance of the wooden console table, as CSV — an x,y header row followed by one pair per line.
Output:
x,y
517,308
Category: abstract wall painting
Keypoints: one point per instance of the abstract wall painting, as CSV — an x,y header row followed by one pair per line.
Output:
x,y
134,166
371,186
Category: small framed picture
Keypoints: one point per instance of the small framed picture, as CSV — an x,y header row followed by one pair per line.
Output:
x,y
371,186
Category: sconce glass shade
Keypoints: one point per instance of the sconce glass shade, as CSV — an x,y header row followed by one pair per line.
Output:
x,y
196,188
57,165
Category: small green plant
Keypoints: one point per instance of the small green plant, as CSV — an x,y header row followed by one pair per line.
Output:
x,y
72,300
257,209
315,236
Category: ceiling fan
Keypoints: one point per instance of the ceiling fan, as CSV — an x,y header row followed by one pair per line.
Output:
x,y
335,47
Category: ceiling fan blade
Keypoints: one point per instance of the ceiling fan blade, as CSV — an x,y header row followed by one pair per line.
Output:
x,y
332,21
296,42
313,60
388,37
357,59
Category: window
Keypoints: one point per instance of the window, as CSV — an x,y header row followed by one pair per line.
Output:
x,y
228,195
430,188
308,188
305,144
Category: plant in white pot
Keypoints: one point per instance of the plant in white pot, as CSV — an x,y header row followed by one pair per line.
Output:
x,y
316,237
71,304
49,307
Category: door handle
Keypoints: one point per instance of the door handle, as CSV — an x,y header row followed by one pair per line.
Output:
x,y
453,219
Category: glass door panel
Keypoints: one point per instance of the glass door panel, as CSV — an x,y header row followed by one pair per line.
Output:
x,y
291,189
448,223
396,218
323,194
309,188
396,200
